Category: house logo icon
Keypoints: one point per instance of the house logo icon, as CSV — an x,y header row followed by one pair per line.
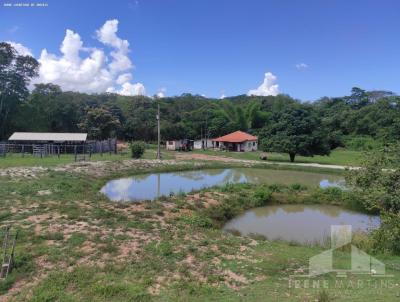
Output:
x,y
360,262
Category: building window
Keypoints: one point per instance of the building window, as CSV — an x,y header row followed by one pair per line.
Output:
x,y
170,142
254,143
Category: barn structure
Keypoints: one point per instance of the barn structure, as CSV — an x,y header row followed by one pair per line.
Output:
x,y
48,138
53,143
46,143
236,141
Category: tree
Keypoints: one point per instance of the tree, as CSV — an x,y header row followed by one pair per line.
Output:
x,y
256,117
295,131
376,186
358,98
16,71
241,119
37,113
100,123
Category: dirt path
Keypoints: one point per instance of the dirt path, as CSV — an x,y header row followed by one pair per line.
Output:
x,y
196,156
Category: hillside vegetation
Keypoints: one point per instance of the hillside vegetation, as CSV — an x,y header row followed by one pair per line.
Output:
x,y
361,120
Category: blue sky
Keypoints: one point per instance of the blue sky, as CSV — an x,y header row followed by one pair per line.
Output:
x,y
225,47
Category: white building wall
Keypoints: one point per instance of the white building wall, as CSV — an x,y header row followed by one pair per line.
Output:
x,y
207,144
170,145
249,146
173,145
197,145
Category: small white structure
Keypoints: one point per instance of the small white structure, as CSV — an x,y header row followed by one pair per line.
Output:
x,y
203,144
180,145
174,145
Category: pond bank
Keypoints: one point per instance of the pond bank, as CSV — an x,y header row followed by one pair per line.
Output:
x,y
76,245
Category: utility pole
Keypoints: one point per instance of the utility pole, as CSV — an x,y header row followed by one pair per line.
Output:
x,y
206,130
158,131
201,137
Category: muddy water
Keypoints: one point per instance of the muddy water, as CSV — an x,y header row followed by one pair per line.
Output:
x,y
299,223
152,186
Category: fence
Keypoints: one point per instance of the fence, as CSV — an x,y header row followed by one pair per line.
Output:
x,y
109,145
80,151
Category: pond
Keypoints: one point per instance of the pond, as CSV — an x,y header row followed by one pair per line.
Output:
x,y
151,186
298,222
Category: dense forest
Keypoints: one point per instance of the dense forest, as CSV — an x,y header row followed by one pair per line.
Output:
x,y
362,119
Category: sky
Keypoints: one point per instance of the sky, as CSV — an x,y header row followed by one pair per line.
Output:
x,y
307,49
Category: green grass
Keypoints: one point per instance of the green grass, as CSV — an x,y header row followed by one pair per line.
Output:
x,y
16,160
337,157
91,249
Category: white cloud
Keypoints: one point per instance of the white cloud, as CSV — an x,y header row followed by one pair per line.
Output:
x,y
123,78
91,70
73,72
301,66
222,96
107,34
268,87
161,93
21,49
132,89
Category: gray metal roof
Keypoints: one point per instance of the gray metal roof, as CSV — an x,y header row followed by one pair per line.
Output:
x,y
50,136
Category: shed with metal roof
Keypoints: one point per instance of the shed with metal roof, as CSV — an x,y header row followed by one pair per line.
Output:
x,y
48,137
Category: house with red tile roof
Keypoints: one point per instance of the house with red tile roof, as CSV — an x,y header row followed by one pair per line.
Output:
x,y
236,141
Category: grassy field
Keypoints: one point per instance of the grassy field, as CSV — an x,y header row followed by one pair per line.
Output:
x,y
75,245
16,160
337,157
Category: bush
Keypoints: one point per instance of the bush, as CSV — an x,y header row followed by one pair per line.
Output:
x,y
137,149
261,196
297,187
197,221
361,143
387,237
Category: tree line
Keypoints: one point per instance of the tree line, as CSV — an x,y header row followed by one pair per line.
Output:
x,y
361,119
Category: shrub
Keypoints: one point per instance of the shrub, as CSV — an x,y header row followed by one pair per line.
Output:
x,y
137,149
261,196
197,221
361,143
276,188
387,237
298,187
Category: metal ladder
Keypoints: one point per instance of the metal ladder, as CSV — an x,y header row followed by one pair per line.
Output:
x,y
8,247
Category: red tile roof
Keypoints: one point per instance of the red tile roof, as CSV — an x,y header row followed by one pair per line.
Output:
x,y
236,137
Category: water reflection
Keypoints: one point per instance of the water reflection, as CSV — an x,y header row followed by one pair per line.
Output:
x,y
325,183
152,186
300,223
